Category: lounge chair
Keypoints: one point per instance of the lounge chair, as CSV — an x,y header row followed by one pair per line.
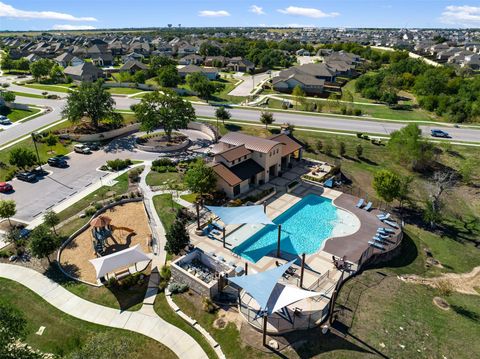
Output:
x,y
382,236
360,203
391,223
376,245
216,225
383,217
215,232
388,230
211,236
368,206
378,239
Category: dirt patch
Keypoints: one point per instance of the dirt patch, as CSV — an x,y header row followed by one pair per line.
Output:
x,y
132,228
463,283
228,316
441,303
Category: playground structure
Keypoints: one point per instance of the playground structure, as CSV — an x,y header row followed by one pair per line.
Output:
x,y
117,229
102,231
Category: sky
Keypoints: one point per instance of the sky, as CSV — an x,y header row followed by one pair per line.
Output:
x,y
102,14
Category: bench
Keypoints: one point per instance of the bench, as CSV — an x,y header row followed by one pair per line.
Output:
x,y
122,274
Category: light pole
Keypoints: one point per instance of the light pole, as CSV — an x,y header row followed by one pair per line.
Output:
x,y
34,138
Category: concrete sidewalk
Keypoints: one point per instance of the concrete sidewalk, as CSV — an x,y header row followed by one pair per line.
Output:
x,y
146,323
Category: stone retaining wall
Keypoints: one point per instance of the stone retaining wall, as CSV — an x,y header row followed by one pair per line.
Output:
x,y
179,147
104,135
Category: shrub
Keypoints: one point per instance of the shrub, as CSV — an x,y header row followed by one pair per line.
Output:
x,y
328,149
118,164
118,198
90,211
357,112
165,272
445,287
112,282
208,305
162,162
359,135
177,287
97,206
10,174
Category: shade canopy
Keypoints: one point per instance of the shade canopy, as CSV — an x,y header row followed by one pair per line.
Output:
x,y
111,262
284,295
241,215
261,285
100,221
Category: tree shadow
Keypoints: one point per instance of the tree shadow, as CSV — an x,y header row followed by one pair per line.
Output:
x,y
368,161
232,127
54,273
127,295
467,313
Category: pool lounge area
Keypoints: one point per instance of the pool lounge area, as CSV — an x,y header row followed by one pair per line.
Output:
x,y
320,222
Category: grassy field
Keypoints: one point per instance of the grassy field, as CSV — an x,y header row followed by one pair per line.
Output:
x,y
158,179
123,90
191,197
63,333
15,114
164,311
25,94
65,88
166,209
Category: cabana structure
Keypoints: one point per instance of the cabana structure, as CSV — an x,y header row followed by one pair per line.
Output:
x,y
266,297
122,259
240,215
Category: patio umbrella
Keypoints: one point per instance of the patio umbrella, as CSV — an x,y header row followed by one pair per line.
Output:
x,y
100,221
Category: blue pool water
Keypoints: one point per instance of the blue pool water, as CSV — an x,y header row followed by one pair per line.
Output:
x,y
305,226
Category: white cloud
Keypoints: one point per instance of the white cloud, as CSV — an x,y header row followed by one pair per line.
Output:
x,y
257,10
10,11
213,13
73,27
308,12
461,15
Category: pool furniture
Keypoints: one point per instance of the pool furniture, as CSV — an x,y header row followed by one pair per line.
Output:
x,y
378,239
383,216
360,203
391,223
388,230
368,206
376,245
232,264
215,232
328,183
218,226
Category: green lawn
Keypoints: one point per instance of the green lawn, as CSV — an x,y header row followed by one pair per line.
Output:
x,y
25,94
63,333
166,209
15,114
191,197
65,88
158,179
165,312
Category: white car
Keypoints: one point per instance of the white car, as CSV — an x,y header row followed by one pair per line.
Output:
x,y
82,149
5,121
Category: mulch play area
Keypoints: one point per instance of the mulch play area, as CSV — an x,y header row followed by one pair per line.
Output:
x,y
130,223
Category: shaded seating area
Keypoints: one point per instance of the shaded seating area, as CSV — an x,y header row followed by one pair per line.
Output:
x,y
119,261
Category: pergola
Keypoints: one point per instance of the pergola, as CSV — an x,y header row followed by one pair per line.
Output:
x,y
270,295
120,259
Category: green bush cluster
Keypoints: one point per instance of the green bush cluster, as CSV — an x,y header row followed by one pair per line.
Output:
x,y
177,288
119,164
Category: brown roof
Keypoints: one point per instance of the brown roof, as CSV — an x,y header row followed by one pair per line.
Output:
x,y
228,176
290,145
234,153
253,143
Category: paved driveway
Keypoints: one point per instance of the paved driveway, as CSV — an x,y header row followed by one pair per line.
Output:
x,y
248,84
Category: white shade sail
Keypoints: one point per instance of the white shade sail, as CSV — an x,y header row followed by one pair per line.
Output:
x,y
125,258
284,295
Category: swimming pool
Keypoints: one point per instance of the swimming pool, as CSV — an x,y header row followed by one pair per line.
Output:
x,y
305,227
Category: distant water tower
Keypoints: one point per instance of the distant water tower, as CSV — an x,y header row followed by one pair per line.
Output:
x,y
169,25
179,25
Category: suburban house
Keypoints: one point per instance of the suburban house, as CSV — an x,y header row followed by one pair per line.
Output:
x,y
192,59
103,59
216,61
240,64
133,66
242,161
32,57
210,73
64,59
84,72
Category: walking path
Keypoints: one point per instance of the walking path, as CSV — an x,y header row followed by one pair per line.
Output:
x,y
144,322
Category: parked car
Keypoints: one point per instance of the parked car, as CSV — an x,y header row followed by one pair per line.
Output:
x,y
26,176
82,149
57,162
5,187
5,121
93,146
439,133
39,172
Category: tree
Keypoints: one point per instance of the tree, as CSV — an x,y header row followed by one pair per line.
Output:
x,y
41,68
104,346
51,140
222,114
177,237
319,146
201,85
8,96
359,151
156,62
12,330
409,148
8,208
200,178
299,95
92,100
43,242
168,76
22,157
208,49
342,149
165,110
51,219
266,118
431,213
56,73
404,189
442,182
386,184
